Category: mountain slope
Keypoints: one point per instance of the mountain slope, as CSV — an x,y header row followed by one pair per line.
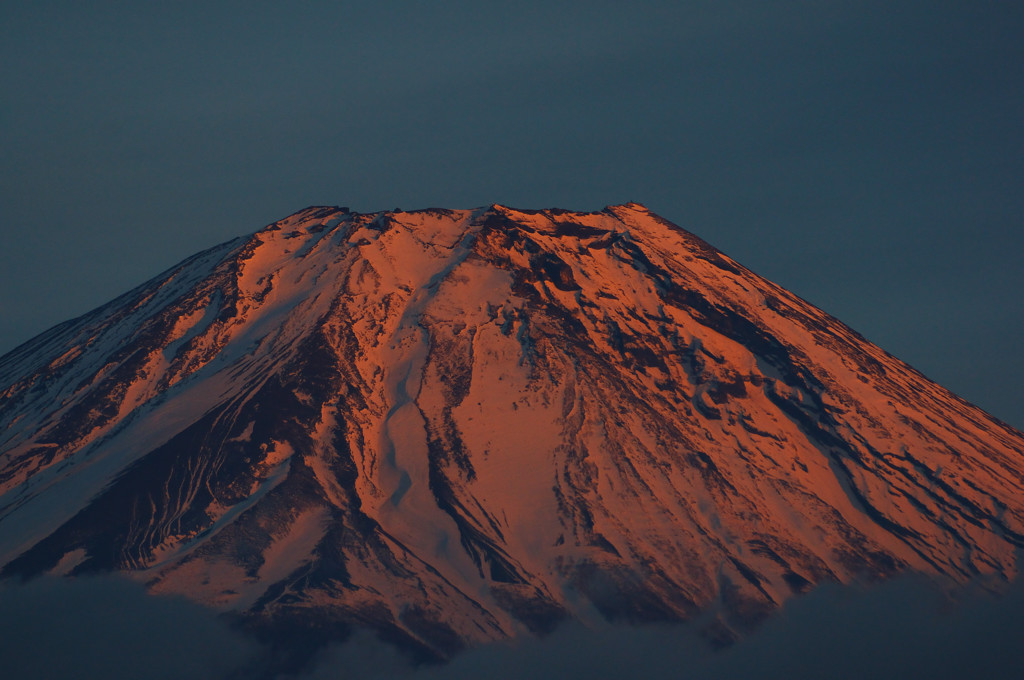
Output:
x,y
457,426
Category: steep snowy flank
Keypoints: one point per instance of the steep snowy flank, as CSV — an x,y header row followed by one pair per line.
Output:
x,y
457,426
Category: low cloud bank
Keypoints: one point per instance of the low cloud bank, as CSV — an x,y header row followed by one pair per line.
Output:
x,y
901,629
109,628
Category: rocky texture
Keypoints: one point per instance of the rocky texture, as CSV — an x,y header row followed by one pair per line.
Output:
x,y
456,426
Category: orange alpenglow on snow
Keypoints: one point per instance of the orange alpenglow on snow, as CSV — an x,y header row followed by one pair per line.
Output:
x,y
457,426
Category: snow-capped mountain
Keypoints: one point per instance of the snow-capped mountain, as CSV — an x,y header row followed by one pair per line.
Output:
x,y
457,426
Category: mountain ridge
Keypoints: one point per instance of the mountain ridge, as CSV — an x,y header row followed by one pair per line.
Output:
x,y
456,426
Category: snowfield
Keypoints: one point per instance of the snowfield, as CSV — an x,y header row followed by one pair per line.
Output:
x,y
458,426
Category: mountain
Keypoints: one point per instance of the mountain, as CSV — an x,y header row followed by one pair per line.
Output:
x,y
458,426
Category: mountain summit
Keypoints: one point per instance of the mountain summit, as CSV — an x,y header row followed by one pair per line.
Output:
x,y
457,426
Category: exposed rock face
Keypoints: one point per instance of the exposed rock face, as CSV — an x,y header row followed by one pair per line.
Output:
x,y
456,426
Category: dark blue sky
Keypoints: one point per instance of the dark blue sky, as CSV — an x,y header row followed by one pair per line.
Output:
x,y
867,155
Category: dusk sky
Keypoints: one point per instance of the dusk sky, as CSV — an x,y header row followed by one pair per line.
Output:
x,y
867,155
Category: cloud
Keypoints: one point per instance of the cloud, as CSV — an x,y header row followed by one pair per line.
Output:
x,y
901,629
109,628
